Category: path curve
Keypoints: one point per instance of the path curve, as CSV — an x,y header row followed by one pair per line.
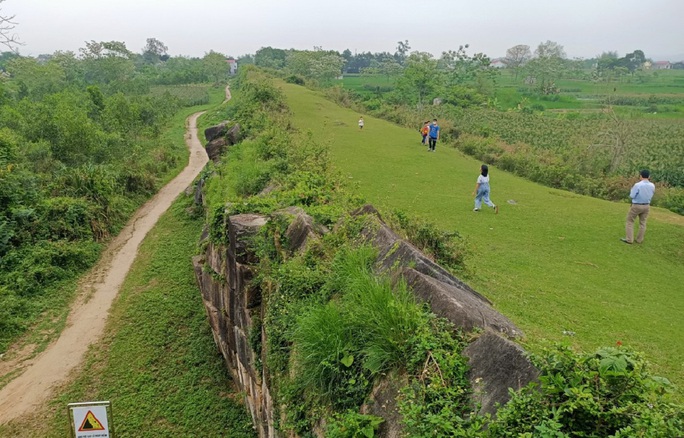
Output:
x,y
86,321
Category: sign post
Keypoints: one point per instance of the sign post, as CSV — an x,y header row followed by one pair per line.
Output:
x,y
91,420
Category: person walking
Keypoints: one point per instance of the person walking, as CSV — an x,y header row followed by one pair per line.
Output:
x,y
481,191
434,135
641,195
361,123
424,131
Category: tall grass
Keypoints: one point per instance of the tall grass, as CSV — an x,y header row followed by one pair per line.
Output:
x,y
368,329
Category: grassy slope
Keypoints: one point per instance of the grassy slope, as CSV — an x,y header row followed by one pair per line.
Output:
x,y
157,364
551,262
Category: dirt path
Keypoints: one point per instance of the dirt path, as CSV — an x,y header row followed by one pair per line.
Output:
x,y
87,319
227,94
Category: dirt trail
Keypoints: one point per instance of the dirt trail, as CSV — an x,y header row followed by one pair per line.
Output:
x,y
87,319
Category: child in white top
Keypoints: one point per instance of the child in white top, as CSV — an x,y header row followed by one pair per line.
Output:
x,y
361,123
482,190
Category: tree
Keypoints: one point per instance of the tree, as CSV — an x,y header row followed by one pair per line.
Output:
x,y
155,51
106,62
215,66
607,60
403,48
390,68
323,66
547,67
7,25
517,56
270,58
245,59
549,49
421,77
633,61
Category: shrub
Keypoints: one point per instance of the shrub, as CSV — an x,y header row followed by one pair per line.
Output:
x,y
606,393
295,79
448,248
351,424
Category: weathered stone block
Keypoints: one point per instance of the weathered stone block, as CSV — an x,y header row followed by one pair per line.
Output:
x,y
216,148
459,306
216,258
497,364
216,131
233,135
393,252
383,403
302,230
241,227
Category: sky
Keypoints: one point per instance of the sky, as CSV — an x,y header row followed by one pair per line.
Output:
x,y
585,28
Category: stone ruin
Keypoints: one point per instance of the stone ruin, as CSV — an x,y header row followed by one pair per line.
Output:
x,y
233,305
220,138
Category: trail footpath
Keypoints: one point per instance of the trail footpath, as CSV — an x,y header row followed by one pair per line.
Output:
x,y
86,321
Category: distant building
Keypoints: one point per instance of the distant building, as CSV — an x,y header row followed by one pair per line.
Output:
x,y
678,65
232,65
498,63
661,65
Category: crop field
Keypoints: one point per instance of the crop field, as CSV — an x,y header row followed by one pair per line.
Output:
x,y
660,92
589,138
550,260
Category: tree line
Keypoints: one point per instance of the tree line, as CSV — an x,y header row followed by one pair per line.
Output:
x,y
80,149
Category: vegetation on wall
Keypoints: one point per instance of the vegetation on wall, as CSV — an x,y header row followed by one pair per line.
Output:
x,y
334,329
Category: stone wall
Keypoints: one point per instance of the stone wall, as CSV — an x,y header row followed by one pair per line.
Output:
x,y
233,305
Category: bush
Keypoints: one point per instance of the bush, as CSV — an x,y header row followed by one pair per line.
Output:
x,y
607,393
295,79
353,425
67,218
448,248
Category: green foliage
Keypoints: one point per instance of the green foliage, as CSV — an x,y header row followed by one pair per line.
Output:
x,y
30,277
448,248
351,424
608,393
157,361
436,401
80,149
295,79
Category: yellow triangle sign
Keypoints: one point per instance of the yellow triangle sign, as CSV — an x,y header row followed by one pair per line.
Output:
x,y
90,423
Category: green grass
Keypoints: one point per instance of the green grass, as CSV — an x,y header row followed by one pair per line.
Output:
x,y
157,363
551,261
358,83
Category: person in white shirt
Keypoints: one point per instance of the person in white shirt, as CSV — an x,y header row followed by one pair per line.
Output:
x,y
641,195
361,123
481,191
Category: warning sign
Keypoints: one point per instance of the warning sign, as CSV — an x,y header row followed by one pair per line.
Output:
x,y
90,420
90,423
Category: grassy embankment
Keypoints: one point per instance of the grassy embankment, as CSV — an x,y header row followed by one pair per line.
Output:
x,y
551,260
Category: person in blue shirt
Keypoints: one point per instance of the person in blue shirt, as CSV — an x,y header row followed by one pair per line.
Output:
x,y
641,194
434,135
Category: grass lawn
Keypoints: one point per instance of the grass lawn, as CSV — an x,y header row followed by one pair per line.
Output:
x,y
550,260
157,363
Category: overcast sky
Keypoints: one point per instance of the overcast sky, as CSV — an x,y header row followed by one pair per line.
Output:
x,y
193,27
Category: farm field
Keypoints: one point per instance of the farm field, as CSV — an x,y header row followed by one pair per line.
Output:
x,y
575,94
551,260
